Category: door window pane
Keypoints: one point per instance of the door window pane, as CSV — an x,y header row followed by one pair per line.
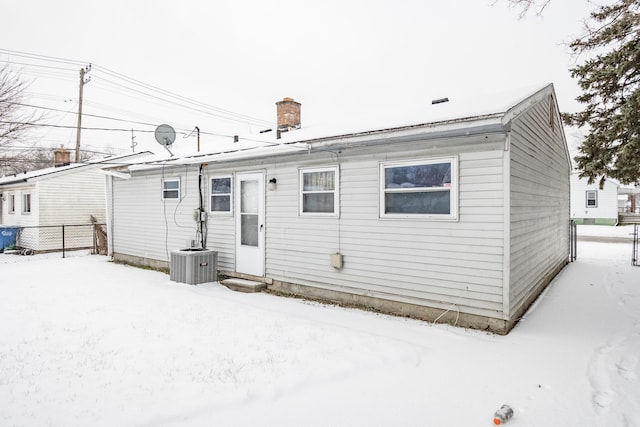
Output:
x,y
249,197
249,230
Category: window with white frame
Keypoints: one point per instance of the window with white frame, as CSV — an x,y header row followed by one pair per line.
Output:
x,y
592,198
221,194
26,203
319,191
12,203
426,188
171,188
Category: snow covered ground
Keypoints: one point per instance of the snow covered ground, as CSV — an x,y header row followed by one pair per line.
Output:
x,y
86,342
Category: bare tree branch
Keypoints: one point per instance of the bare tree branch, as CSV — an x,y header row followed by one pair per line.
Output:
x,y
526,6
14,121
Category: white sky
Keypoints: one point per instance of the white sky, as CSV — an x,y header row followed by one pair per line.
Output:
x,y
338,58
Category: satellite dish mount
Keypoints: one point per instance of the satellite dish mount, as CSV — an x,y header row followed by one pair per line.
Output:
x,y
165,136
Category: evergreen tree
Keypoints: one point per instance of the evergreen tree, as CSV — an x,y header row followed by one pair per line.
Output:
x,y
610,81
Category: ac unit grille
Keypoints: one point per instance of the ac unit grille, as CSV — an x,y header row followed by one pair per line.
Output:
x,y
193,266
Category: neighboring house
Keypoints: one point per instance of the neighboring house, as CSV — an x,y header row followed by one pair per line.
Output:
x,y
67,194
459,216
593,205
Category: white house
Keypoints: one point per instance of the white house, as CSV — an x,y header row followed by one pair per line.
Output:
x,y
460,215
67,194
591,204
608,205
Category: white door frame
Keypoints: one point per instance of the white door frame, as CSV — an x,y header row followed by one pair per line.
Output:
x,y
250,247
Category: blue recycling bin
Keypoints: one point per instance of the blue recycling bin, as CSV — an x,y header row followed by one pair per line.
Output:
x,y
7,237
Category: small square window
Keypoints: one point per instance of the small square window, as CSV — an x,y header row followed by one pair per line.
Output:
x,y
171,188
592,199
319,191
221,194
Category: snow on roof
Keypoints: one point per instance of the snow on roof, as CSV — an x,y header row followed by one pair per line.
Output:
x,y
423,111
21,177
475,108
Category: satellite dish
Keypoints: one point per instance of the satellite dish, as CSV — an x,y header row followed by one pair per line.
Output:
x,y
165,135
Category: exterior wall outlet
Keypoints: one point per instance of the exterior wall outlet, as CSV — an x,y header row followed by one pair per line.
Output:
x,y
335,260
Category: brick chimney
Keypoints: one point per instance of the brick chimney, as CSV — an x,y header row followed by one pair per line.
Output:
x,y
288,114
61,157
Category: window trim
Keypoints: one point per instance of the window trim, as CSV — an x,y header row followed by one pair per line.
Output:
x,y
231,199
26,204
164,190
12,204
595,198
336,191
453,189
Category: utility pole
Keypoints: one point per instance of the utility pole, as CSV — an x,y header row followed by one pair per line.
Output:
x,y
83,81
133,142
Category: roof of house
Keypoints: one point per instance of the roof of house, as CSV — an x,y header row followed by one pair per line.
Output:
x,y
56,171
475,114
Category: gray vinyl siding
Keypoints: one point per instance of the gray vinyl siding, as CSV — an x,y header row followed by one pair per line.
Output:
x,y
425,262
509,239
539,203
145,225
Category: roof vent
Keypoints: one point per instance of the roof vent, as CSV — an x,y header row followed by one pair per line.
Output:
x,y
440,101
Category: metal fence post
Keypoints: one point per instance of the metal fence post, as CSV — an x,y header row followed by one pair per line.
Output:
x,y
573,241
634,249
62,240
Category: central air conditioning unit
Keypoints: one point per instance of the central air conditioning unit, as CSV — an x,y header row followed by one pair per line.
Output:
x,y
194,266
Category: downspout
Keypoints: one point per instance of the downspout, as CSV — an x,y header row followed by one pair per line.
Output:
x,y
202,219
108,198
506,257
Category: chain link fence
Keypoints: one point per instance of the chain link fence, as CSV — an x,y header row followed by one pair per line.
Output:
x,y
62,238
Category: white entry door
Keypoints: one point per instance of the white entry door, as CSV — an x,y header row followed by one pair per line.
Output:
x,y
250,223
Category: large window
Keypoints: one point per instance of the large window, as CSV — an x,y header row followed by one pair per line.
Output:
x,y
26,203
319,191
592,198
171,188
221,194
419,189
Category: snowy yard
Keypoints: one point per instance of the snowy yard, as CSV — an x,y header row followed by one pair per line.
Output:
x,y
86,342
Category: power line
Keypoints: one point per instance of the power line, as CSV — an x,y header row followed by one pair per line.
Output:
x,y
46,125
186,132
160,94
238,116
84,114
42,57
